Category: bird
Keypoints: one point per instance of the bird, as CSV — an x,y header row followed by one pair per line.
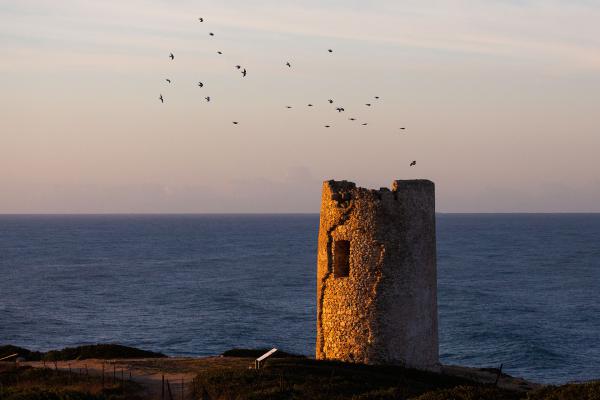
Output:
x,y
219,52
207,98
368,104
340,109
238,66
364,124
330,101
200,84
201,19
327,126
403,128
168,80
235,122
288,106
211,34
377,97
310,105
330,50
288,64
412,164
352,119
244,73
161,99
171,56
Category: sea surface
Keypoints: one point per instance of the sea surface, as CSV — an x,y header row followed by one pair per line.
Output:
x,y
518,289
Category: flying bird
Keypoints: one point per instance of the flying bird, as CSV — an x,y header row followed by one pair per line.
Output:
x,y
200,84
327,126
235,122
207,98
403,128
211,34
377,97
201,19
219,52
352,119
340,109
364,124
244,73
288,64
238,66
330,101
368,104
412,164
161,99
288,106
330,50
310,105
168,80
171,56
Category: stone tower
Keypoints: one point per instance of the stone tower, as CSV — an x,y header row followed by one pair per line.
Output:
x,y
376,274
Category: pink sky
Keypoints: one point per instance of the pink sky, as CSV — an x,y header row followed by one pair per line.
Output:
x,y
499,99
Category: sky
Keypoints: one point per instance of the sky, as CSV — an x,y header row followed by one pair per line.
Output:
x,y
500,100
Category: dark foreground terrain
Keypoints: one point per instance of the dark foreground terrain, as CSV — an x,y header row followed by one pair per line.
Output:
x,y
227,377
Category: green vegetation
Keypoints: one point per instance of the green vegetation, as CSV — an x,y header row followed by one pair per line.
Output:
x,y
26,354
311,379
297,378
100,351
26,383
582,391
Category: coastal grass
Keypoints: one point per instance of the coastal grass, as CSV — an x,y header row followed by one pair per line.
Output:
x,y
295,378
27,383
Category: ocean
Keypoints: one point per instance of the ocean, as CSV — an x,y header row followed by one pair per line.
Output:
x,y
522,290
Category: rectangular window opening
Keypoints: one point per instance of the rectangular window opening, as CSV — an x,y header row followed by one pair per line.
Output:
x,y
341,259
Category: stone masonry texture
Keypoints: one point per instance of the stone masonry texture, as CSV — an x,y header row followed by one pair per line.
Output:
x,y
377,302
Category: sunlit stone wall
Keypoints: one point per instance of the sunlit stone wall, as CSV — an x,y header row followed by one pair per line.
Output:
x,y
376,274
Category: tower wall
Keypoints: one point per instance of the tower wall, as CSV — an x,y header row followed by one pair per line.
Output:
x,y
376,274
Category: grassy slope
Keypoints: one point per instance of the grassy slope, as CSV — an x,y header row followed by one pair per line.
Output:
x,y
26,383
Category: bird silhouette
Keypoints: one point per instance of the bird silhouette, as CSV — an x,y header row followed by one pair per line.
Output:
x,y
352,119
330,50
219,52
200,84
161,99
310,105
235,122
201,19
377,97
368,104
171,56
238,66
403,128
288,106
168,80
244,73
288,64
327,126
330,101
365,124
340,109
211,34
412,164
207,98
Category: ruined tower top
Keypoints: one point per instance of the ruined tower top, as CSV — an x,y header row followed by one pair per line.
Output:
x,y
376,274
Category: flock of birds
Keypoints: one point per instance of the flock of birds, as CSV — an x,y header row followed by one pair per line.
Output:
x,y
244,72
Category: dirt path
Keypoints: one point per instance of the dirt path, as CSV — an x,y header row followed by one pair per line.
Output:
x,y
178,372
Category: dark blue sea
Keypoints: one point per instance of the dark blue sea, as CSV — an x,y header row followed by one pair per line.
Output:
x,y
517,289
